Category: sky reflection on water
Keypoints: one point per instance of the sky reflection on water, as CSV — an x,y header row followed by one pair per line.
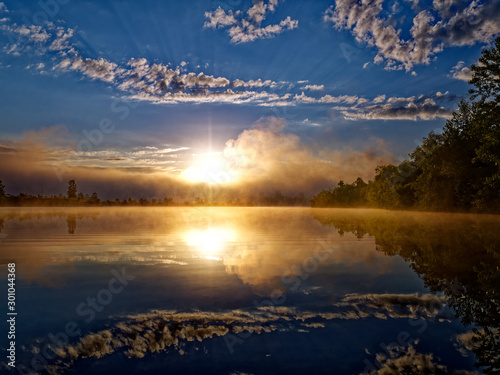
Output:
x,y
253,290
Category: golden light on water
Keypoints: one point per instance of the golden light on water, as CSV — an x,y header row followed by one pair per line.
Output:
x,y
208,168
210,243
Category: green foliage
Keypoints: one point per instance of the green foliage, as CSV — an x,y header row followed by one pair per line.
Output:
x,y
344,195
382,191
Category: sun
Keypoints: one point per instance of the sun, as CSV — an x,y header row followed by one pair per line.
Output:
x,y
208,168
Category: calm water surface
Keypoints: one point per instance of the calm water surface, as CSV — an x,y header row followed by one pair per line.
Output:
x,y
251,291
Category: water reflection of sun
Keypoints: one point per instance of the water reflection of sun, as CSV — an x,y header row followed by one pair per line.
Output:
x,y
210,243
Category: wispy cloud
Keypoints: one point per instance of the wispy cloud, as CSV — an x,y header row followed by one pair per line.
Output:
x,y
411,110
247,27
382,108
164,83
314,87
433,29
38,38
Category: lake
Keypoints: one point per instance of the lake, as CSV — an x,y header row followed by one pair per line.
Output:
x,y
250,291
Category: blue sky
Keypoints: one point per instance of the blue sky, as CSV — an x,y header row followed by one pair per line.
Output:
x,y
191,75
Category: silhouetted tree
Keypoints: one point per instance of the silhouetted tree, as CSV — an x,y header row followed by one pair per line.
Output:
x,y
485,75
2,192
167,201
72,189
94,198
343,195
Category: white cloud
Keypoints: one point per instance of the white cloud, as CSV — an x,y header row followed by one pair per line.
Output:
x,y
34,33
95,69
3,8
61,42
249,33
313,87
219,18
461,72
303,98
38,38
390,111
247,27
432,30
348,99
353,107
38,66
162,83
310,123
254,83
379,99
228,96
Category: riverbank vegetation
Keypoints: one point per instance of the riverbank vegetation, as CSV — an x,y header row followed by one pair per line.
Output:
x,y
458,169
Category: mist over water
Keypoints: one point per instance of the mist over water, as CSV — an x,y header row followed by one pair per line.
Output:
x,y
260,161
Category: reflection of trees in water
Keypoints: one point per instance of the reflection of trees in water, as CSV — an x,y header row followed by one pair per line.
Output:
x,y
1,224
454,254
71,220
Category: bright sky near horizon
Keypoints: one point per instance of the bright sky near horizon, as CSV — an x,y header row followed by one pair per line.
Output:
x,y
148,86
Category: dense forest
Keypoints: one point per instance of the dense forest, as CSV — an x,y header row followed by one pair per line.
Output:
x,y
458,169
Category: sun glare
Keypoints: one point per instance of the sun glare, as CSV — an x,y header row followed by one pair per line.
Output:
x,y
208,168
210,243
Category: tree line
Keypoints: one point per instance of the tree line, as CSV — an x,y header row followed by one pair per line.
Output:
x,y
458,169
74,198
